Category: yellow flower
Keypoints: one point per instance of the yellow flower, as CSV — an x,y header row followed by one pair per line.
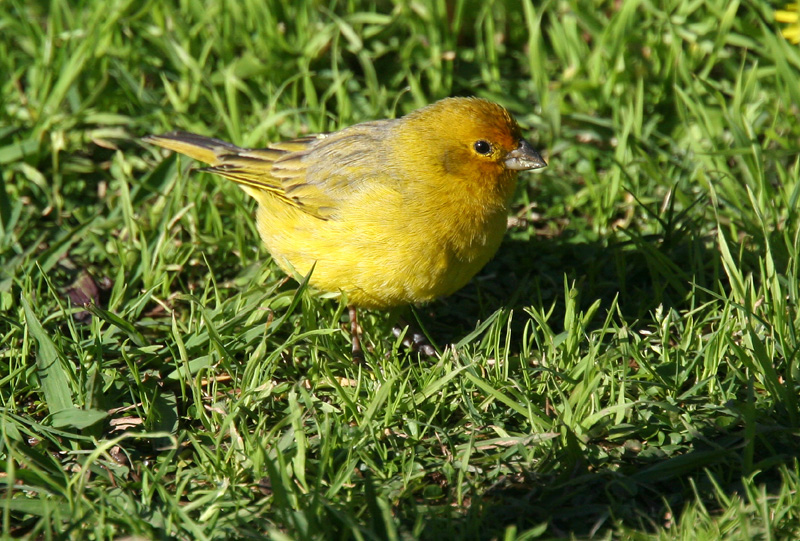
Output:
x,y
790,15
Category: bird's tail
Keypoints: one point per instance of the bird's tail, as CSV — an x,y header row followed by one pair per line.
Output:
x,y
246,166
249,167
205,149
252,168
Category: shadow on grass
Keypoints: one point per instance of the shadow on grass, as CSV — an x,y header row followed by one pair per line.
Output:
x,y
565,498
641,273
634,491
584,488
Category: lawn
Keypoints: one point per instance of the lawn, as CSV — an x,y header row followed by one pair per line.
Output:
x,y
626,367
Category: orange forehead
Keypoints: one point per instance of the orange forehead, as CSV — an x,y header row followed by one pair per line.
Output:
x,y
491,121
466,120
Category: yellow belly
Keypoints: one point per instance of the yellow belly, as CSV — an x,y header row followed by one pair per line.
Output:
x,y
376,259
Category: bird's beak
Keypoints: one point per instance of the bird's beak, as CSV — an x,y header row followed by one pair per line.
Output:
x,y
524,157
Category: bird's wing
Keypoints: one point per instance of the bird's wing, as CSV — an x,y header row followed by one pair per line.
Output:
x,y
325,174
254,168
316,174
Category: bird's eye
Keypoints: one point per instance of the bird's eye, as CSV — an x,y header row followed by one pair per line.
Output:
x,y
482,147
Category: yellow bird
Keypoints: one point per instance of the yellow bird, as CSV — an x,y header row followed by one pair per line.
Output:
x,y
389,212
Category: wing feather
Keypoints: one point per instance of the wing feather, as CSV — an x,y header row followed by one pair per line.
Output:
x,y
315,173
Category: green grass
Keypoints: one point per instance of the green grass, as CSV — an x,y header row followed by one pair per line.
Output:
x,y
627,366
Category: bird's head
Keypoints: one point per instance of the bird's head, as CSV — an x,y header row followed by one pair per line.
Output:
x,y
467,140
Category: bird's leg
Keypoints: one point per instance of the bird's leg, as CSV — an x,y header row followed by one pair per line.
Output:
x,y
355,334
414,339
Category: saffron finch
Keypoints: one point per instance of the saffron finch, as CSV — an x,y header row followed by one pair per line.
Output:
x,y
390,212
